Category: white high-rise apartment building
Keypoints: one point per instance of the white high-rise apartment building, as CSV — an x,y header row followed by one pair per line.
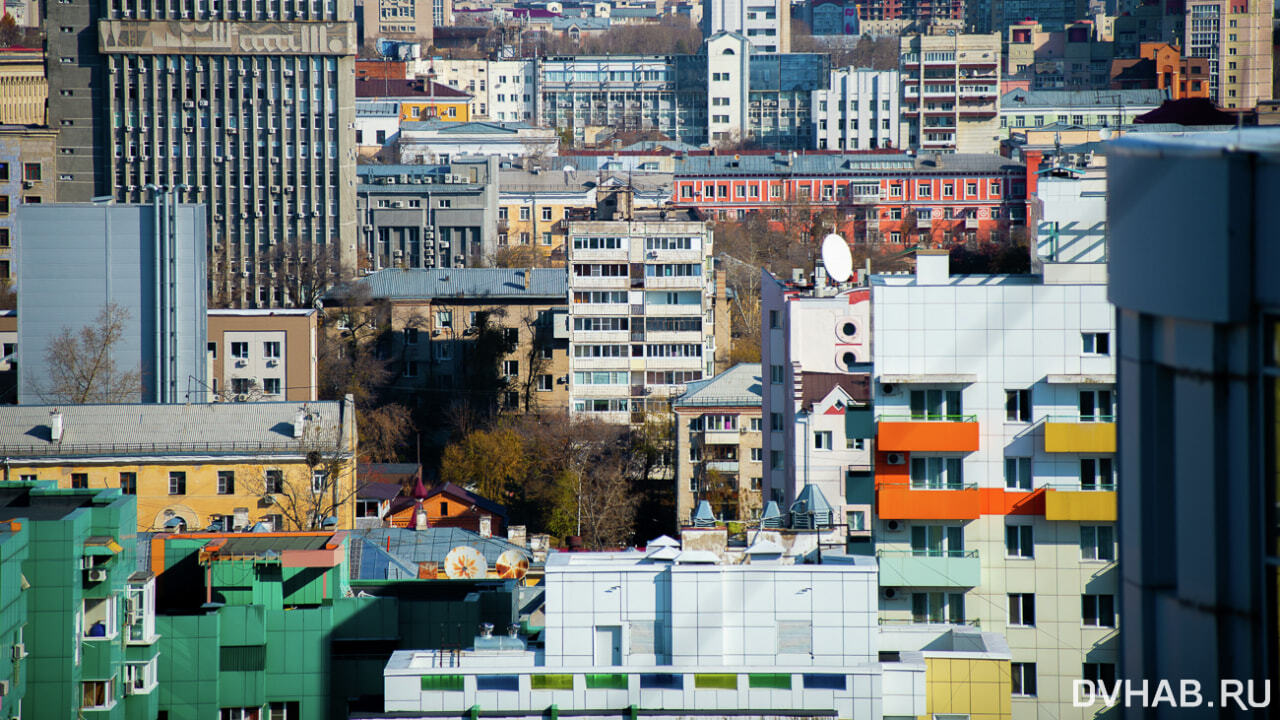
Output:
x,y
859,110
766,23
642,313
995,466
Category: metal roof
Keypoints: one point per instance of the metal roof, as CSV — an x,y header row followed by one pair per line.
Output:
x,y
477,127
467,283
154,429
377,108
739,385
257,545
410,547
1019,99
782,163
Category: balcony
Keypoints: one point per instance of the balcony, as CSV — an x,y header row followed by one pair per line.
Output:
x,y
915,433
903,502
947,569
723,466
1080,503
688,282
1080,435
721,437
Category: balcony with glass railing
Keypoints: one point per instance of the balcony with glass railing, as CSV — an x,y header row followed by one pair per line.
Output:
x,y
1080,433
929,568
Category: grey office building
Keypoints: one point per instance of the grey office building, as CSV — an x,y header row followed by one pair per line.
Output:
x,y
76,258
1193,255
428,216
246,107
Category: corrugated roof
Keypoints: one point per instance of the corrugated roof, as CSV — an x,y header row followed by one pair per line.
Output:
x,y
739,385
476,127
377,108
163,429
783,163
410,547
469,283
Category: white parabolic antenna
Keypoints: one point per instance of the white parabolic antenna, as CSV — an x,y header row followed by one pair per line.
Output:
x,y
836,258
465,562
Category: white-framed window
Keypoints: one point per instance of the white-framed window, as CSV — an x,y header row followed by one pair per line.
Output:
x,y
271,386
937,473
757,454
1098,542
271,350
1022,609
545,383
140,613
1095,343
936,404
97,694
937,607
937,540
756,424
1097,474
240,350
855,443
100,619
822,440
1017,406
511,368
444,319
1019,541
1017,473
1024,679
1098,610
695,453
367,508
720,422
318,480
140,677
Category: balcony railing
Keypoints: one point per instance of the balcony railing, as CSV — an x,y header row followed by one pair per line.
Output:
x,y
1080,503
974,622
1082,434
927,485
927,433
911,417
929,568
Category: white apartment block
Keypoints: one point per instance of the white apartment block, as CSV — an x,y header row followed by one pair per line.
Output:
x,y
642,313
501,90
728,87
678,629
766,23
858,111
995,466
815,368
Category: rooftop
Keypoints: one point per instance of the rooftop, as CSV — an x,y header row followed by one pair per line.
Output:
x,y
468,283
408,89
152,429
377,108
20,502
739,385
475,127
1030,99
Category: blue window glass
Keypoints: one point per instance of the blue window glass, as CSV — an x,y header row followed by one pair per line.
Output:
x,y
823,681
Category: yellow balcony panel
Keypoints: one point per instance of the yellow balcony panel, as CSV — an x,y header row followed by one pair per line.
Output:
x,y
1080,505
1079,437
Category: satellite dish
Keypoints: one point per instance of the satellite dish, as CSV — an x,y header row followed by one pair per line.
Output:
x,y
465,563
836,258
512,565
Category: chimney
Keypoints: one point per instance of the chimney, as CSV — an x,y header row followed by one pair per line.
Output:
x,y
933,267
55,425
486,526
299,423
528,278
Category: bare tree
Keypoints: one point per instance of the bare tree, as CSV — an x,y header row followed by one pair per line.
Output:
x,y
324,487
82,365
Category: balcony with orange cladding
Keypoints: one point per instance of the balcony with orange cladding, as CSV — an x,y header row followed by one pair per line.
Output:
x,y
906,433
903,502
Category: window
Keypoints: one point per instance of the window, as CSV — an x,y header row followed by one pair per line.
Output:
x,y
4,172
31,172
4,238
1098,610
937,473
856,519
1095,406
937,540
1097,542
757,454
720,422
129,483
271,386
1096,343
1017,473
318,479
937,607
774,321
776,375
1097,474
444,319
79,481
775,422
271,350
822,440
274,482
525,213
1103,674
240,350
411,369
936,405
4,204
367,509
1017,405
1024,679
775,459
546,214
140,677
97,694
545,383
177,483
855,444
1018,541
226,482
1022,609
511,368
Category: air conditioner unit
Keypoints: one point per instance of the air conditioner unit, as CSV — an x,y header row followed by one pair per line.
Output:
x,y
288,188
894,458
19,651
188,104
204,103
97,575
268,500
889,593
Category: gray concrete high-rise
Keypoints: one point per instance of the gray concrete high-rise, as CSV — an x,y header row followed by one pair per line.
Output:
x,y
147,260
247,107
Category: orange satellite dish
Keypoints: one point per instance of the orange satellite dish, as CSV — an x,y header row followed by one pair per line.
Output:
x,y
512,565
465,563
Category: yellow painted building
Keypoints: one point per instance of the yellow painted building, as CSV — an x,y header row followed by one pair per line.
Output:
x,y
290,465
419,99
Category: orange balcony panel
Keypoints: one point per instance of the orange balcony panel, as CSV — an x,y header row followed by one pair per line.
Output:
x,y
927,436
898,502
